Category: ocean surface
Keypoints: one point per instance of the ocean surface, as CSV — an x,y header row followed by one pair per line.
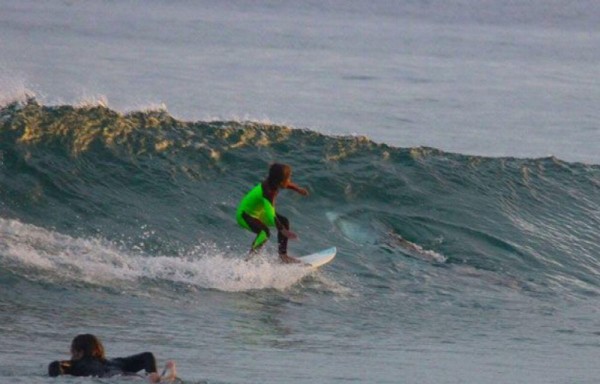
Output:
x,y
451,153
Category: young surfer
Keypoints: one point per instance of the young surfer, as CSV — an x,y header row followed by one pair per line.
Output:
x,y
256,211
88,359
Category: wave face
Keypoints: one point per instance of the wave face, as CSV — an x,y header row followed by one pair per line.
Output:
x,y
92,196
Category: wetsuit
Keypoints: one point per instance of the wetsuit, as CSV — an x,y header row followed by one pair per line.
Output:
x,y
90,366
256,213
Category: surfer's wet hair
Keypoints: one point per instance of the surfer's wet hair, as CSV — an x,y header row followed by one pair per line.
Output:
x,y
87,345
278,173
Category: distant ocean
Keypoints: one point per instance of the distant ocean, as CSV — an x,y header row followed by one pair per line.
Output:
x,y
451,153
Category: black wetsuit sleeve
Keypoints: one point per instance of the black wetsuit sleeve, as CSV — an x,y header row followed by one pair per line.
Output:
x,y
104,368
89,367
135,363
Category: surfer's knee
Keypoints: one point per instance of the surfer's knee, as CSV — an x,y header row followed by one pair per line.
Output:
x,y
261,238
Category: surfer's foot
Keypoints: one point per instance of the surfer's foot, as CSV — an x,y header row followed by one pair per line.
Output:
x,y
169,374
288,259
253,252
171,369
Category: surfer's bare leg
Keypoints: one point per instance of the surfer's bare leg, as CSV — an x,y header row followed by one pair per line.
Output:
x,y
283,235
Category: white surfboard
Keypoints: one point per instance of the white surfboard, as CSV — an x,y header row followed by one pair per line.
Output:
x,y
320,258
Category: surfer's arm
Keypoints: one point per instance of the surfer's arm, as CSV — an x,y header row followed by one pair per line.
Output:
x,y
284,231
289,234
57,368
296,188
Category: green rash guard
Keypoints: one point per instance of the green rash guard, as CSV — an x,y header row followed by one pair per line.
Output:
x,y
256,205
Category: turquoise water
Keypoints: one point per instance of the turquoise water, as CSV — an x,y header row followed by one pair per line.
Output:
x,y
451,153
122,225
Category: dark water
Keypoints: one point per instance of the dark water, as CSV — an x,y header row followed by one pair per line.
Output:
x,y
123,225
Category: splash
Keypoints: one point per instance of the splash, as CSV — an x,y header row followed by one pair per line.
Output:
x,y
45,255
14,90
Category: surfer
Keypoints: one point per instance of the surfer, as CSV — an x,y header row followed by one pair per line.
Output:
x,y
88,359
256,211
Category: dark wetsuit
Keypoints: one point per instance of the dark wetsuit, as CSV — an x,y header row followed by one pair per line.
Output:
x,y
89,366
256,213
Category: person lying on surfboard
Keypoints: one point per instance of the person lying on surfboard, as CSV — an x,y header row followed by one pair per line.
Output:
x,y
256,211
88,359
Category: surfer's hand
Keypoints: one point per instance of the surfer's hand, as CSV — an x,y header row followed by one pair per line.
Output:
x,y
289,234
295,187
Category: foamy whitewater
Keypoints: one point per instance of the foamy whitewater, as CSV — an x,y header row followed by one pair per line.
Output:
x,y
451,153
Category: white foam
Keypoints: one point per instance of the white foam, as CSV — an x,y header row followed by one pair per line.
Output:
x,y
13,89
147,106
88,260
103,263
89,101
220,271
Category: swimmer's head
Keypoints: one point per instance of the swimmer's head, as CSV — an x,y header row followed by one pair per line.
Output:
x,y
86,345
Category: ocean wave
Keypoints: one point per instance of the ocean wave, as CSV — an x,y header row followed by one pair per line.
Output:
x,y
90,172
